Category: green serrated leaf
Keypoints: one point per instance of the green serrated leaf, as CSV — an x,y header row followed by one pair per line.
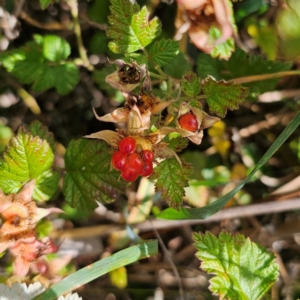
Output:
x,y
222,50
240,65
130,28
243,269
178,66
26,158
38,129
222,95
190,84
171,180
163,51
46,186
178,144
89,176
55,48
139,58
29,65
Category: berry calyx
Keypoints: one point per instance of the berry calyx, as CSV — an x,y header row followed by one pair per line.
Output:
x,y
147,156
188,122
147,169
127,145
129,173
134,161
119,160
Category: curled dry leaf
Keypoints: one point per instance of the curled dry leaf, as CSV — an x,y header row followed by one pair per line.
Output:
x,y
199,16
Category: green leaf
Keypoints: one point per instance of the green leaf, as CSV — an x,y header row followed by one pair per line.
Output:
x,y
171,180
178,66
139,58
55,48
240,65
163,51
89,176
223,50
190,84
243,269
178,144
46,186
38,129
28,158
98,11
222,95
34,63
99,268
130,28
45,3
214,207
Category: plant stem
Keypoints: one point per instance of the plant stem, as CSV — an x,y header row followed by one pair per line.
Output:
x,y
156,67
252,78
154,75
29,101
74,12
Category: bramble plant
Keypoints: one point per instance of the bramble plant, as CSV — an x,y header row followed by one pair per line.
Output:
x,y
166,106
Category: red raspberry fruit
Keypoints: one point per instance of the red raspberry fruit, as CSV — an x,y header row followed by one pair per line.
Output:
x,y
119,160
127,145
134,161
129,173
147,169
188,122
147,156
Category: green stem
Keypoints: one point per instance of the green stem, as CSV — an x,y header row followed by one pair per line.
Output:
x,y
154,75
74,12
156,67
252,78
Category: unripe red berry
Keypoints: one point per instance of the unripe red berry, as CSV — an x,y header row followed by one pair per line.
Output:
x,y
188,122
127,145
129,173
147,169
119,160
147,156
134,161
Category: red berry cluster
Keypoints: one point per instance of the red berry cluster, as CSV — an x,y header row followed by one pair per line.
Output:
x,y
131,163
188,122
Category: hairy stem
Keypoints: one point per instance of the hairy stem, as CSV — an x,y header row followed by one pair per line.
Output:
x,y
74,12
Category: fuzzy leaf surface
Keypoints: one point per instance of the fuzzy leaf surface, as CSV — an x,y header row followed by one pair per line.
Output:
x,y
190,84
130,28
222,95
41,63
171,180
89,176
178,144
243,269
240,65
163,51
28,158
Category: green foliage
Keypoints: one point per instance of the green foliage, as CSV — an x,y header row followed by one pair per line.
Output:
x,y
178,144
130,28
172,178
222,50
222,95
37,129
163,51
243,269
45,3
5,135
42,62
89,176
190,84
26,158
178,66
240,65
